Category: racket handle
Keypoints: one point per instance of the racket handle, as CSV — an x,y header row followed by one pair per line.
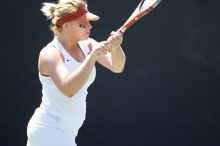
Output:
x,y
122,30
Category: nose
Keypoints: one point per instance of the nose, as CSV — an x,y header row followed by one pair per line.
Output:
x,y
89,26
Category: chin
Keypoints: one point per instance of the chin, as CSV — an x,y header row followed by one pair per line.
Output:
x,y
85,38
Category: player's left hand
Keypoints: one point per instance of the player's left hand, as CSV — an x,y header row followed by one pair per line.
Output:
x,y
114,41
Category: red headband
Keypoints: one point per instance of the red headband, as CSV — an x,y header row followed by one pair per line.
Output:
x,y
71,16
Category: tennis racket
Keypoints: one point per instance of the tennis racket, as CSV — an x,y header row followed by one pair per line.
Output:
x,y
144,7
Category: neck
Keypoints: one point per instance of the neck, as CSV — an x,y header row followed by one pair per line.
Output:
x,y
68,44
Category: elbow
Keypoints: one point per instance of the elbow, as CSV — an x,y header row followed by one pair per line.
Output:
x,y
120,67
68,93
118,70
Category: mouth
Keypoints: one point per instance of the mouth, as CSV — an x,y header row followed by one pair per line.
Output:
x,y
87,34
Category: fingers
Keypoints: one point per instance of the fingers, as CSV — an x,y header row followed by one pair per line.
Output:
x,y
112,33
104,45
116,34
101,49
115,39
113,42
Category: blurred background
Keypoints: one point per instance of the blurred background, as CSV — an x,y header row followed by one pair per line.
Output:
x,y
168,93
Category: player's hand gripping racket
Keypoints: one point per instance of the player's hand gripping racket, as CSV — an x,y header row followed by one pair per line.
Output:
x,y
144,7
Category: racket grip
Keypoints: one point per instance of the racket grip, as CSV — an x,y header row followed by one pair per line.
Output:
x,y
122,30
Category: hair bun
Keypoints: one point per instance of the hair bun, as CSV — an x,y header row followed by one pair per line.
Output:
x,y
48,9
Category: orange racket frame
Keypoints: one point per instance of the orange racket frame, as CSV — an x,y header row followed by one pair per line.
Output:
x,y
133,18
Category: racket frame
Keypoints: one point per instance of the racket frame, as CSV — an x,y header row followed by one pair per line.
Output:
x,y
134,17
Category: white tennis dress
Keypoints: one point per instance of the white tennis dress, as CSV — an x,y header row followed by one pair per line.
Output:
x,y
57,121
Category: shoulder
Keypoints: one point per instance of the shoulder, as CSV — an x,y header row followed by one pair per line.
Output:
x,y
50,54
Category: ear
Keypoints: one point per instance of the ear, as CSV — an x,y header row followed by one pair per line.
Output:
x,y
65,25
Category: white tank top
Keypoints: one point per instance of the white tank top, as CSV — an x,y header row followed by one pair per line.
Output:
x,y
54,102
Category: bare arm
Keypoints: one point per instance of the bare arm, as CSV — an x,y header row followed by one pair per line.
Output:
x,y
115,59
51,63
118,59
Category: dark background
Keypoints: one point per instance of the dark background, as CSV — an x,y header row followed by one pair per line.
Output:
x,y
168,93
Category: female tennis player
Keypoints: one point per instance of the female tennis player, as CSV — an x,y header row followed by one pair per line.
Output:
x,y
66,69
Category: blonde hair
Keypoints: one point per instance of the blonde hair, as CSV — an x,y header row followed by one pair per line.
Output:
x,y
54,11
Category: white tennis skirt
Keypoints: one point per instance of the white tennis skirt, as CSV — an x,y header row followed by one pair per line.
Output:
x,y
45,129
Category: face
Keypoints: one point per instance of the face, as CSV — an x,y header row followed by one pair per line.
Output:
x,y
79,29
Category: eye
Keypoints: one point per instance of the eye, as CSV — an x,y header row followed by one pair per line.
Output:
x,y
82,25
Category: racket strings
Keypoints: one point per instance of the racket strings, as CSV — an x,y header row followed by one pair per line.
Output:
x,y
141,5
